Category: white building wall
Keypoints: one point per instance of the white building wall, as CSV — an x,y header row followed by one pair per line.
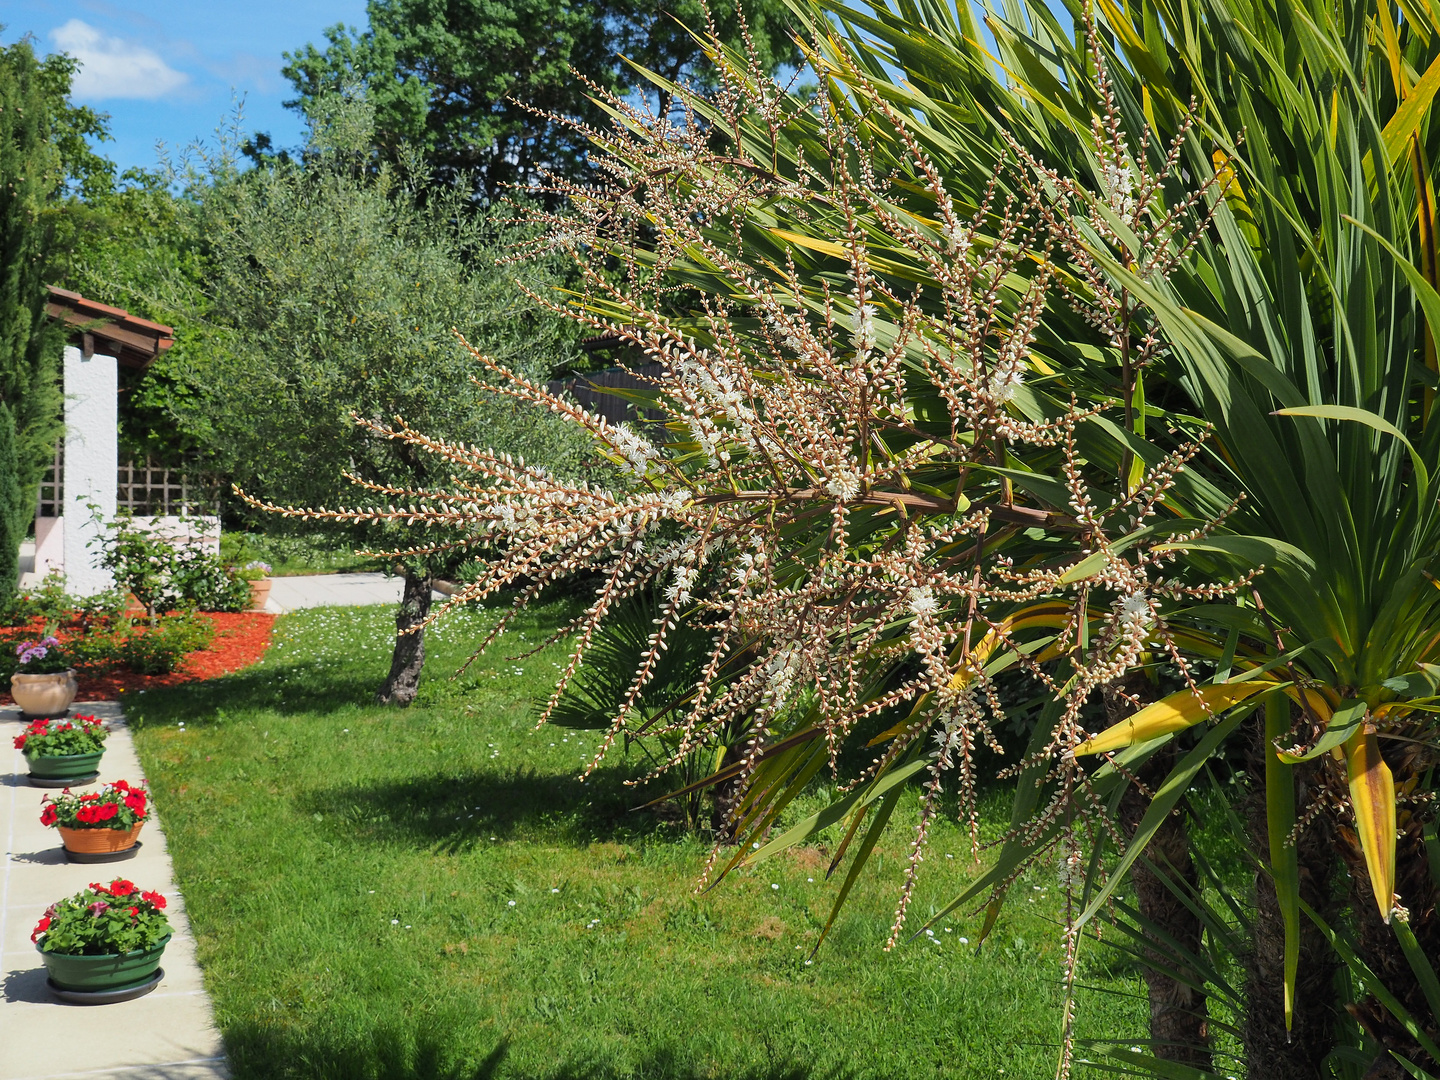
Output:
x,y
91,464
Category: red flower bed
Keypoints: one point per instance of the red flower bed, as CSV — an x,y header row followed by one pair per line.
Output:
x,y
240,640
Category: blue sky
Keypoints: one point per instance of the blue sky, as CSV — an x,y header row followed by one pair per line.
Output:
x,y
165,69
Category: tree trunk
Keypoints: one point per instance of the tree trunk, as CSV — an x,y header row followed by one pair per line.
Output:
x,y
1270,1051
1179,1016
727,796
409,656
1377,945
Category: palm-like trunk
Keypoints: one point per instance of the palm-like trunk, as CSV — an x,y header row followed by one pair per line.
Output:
x,y
1270,1051
409,656
1179,1013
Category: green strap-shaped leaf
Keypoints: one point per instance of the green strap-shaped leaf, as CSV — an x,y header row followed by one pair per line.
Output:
x,y
1369,419
1280,822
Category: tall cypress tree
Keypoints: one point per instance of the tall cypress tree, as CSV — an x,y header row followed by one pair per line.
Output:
x,y
31,173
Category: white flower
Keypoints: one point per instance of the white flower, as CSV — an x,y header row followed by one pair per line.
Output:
x,y
957,237
922,601
844,485
863,321
1003,383
637,451
1135,613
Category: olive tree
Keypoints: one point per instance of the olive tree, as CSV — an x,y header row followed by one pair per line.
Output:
x,y
332,291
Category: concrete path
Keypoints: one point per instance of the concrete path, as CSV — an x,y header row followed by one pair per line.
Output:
x,y
334,590
167,1035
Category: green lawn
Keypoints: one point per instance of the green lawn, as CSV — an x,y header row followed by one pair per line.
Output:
x,y
433,893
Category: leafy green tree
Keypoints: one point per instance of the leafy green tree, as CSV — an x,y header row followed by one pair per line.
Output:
x,y
43,144
330,294
474,83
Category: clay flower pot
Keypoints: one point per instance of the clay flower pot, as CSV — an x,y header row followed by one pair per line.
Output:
x,y
44,695
101,841
105,973
259,593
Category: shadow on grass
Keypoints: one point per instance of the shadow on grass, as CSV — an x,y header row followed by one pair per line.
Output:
x,y
456,812
286,689
261,1053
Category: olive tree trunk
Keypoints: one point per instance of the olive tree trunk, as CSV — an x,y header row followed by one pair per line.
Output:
x,y
409,657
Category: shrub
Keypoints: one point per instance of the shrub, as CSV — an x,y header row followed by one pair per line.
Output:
x,y
103,920
50,603
157,649
201,580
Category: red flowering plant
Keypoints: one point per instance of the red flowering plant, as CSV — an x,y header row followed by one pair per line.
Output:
x,y
103,920
59,737
115,806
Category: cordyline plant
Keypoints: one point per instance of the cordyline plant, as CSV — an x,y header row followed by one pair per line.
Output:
x,y
874,496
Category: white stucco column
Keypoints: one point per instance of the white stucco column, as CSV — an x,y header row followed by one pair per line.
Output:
x,y
91,464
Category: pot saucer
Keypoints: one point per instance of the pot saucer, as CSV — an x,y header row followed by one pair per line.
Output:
x,y
62,781
103,856
108,997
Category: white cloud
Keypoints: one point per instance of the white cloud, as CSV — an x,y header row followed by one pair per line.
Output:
x,y
113,68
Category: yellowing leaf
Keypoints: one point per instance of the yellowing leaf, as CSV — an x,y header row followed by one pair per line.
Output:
x,y
1372,796
1174,713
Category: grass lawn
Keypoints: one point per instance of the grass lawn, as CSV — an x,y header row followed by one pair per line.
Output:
x,y
433,893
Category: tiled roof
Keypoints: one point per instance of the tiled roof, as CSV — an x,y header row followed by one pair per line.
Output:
x,y
101,328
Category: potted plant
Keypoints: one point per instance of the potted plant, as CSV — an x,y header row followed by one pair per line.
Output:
x,y
257,573
99,826
104,943
61,752
44,682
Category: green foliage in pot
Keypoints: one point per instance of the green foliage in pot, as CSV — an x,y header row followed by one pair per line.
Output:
x,y
103,920
115,806
63,737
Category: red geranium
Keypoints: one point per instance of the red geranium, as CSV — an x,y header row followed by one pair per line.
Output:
x,y
113,807
60,737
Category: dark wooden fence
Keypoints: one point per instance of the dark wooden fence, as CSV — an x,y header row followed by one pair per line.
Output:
x,y
589,391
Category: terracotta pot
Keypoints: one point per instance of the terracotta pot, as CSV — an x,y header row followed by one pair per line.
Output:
x,y
100,841
44,695
259,593
107,972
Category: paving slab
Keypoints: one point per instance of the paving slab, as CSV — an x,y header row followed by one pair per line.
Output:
x,y
167,1035
334,590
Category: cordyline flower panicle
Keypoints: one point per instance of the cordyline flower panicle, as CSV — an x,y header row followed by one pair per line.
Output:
x,y
822,484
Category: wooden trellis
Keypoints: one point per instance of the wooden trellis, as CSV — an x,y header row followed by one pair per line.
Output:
x,y
48,498
149,489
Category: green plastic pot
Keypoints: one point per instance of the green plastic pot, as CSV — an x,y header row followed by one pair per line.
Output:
x,y
94,974
64,766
